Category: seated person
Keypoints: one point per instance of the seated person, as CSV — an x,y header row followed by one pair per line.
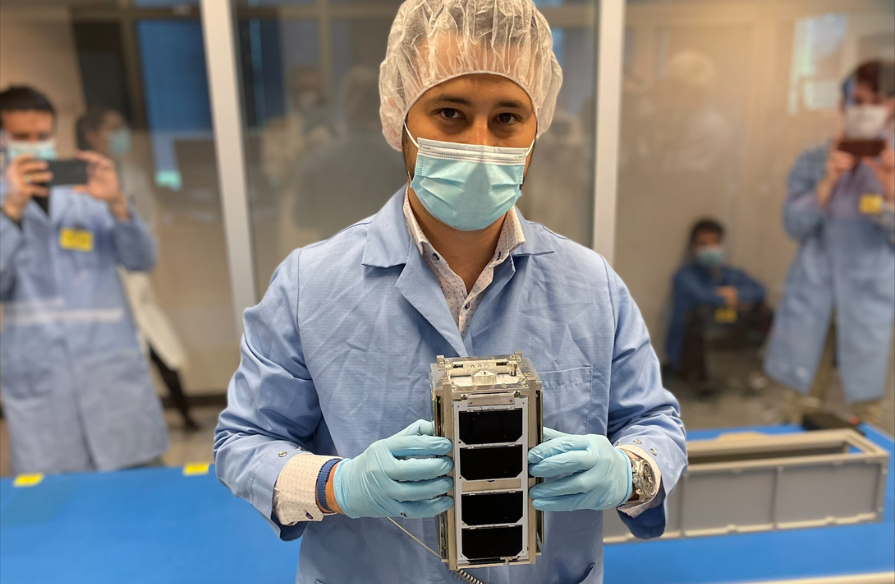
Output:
x,y
710,295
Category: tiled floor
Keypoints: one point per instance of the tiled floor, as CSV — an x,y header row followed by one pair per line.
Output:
x,y
733,406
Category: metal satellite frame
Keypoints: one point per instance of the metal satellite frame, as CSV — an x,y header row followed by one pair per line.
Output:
x,y
491,409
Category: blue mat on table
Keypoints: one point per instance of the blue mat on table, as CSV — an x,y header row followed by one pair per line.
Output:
x,y
158,526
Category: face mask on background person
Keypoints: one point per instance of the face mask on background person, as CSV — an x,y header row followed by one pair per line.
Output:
x,y
710,256
120,142
467,186
865,121
43,149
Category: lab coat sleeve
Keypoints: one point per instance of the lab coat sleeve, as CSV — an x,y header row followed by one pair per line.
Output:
x,y
11,240
749,290
802,215
641,412
135,246
692,292
272,409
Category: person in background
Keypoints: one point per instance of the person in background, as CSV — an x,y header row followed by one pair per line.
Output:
x,y
76,390
104,130
358,154
839,303
708,294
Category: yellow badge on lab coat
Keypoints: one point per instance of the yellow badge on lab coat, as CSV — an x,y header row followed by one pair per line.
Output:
x,y
726,315
871,204
76,239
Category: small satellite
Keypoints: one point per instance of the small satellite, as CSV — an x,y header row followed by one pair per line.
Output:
x,y
491,410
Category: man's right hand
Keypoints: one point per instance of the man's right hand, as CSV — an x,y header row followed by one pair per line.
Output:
x,y
729,293
383,482
838,162
24,177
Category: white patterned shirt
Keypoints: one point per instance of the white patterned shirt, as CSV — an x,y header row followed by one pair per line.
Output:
x,y
463,304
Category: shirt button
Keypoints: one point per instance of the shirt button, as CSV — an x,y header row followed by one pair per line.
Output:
x,y
637,441
282,453
653,452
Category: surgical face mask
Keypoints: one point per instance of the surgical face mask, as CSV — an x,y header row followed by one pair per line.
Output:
x,y
120,142
43,149
710,256
865,121
467,186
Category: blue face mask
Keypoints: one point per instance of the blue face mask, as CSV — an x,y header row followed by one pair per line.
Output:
x,y
43,149
467,186
710,256
120,142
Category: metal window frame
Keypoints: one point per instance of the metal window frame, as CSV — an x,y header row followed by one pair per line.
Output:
x,y
221,57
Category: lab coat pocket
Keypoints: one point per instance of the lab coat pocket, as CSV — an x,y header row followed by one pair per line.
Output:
x,y
24,374
567,399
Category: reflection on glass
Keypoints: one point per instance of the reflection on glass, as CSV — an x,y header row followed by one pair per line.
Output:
x,y
137,93
712,120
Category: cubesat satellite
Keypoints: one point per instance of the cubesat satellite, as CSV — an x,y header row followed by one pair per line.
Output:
x,y
491,410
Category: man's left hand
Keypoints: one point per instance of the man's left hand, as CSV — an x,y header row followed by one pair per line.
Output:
x,y
884,169
595,474
102,184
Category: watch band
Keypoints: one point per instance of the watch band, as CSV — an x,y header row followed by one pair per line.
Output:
x,y
322,479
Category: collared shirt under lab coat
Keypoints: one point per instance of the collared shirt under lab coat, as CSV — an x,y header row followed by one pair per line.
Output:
x,y
337,355
76,390
845,265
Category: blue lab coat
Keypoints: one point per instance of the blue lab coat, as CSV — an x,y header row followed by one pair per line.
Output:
x,y
694,286
337,355
845,264
76,389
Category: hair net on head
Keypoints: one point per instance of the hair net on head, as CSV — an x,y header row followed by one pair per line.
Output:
x,y
432,41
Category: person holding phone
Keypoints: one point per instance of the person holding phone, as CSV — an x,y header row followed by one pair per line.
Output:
x,y
76,390
839,303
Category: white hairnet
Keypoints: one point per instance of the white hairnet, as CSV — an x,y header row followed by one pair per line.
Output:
x,y
432,41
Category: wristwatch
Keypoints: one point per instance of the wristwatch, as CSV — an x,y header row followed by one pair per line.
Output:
x,y
645,486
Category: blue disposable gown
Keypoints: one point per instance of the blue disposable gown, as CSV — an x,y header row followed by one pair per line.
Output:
x,y
846,264
694,286
76,390
337,356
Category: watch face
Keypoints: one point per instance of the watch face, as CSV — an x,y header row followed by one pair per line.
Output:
x,y
649,480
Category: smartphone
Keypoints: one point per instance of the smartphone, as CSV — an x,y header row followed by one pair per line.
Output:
x,y
71,171
860,148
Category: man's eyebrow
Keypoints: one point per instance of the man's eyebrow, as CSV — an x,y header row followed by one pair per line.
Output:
x,y
452,99
513,104
504,103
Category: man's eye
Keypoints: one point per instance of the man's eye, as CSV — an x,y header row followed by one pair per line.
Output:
x,y
506,118
450,114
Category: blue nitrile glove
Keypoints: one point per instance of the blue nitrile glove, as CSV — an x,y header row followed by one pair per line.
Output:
x,y
599,475
381,483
